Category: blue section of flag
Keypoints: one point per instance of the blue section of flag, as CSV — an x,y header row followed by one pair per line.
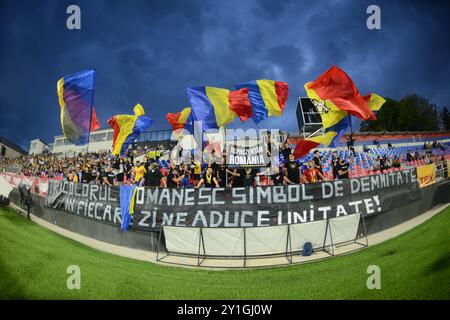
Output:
x,y
126,195
201,108
259,108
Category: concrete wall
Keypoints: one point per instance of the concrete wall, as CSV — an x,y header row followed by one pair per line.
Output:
x,y
99,140
37,147
10,153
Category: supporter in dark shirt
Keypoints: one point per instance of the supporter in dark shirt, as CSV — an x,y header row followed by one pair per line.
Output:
x,y
153,176
173,178
208,179
383,163
108,177
215,167
238,180
286,151
116,163
86,176
334,163
292,171
343,169
97,175
128,168
222,175
146,163
235,178
318,163
269,146
277,178
248,177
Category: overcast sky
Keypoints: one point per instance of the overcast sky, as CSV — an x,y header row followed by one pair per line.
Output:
x,y
150,51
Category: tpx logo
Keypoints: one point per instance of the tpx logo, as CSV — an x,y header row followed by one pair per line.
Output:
x,y
426,179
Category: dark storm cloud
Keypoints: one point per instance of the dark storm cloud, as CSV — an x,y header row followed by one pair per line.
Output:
x,y
150,51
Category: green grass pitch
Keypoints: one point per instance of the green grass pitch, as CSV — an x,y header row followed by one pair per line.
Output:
x,y
33,263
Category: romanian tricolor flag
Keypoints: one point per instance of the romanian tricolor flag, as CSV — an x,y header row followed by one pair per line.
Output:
x,y
217,107
267,97
335,123
178,120
304,146
127,128
336,90
76,98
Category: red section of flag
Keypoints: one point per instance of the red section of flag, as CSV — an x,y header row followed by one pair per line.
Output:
x,y
173,120
95,124
282,91
303,147
335,85
240,104
113,124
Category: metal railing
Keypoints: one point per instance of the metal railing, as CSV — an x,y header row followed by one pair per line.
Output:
x,y
156,135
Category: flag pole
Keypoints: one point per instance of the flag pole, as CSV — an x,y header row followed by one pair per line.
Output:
x,y
92,110
351,126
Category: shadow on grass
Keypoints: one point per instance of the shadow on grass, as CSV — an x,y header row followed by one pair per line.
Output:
x,y
388,253
441,264
10,287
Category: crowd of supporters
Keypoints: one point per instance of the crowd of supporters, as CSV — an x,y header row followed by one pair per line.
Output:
x,y
104,168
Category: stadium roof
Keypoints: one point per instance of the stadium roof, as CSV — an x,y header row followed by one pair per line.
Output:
x,y
12,145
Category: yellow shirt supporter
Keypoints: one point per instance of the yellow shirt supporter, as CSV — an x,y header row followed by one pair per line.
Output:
x,y
139,173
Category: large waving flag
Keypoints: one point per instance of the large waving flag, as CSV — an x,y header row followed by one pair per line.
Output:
x,y
335,123
267,97
178,120
127,128
339,98
336,90
76,98
217,107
